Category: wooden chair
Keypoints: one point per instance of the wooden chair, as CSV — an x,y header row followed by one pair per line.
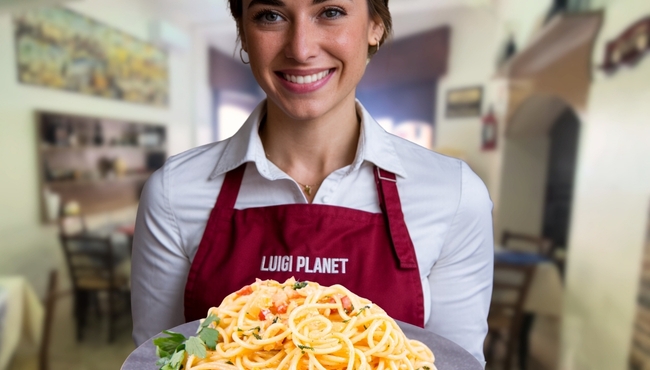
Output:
x,y
50,303
524,242
92,268
511,283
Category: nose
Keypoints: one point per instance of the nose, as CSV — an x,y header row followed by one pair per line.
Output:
x,y
302,42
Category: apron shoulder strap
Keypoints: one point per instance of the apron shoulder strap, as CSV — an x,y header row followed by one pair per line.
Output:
x,y
230,188
392,209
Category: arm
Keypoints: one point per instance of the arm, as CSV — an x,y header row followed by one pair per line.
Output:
x,y
461,279
160,265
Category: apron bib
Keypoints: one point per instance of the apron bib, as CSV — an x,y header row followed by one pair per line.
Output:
x,y
371,254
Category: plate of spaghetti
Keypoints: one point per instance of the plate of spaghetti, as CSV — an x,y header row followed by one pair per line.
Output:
x,y
294,325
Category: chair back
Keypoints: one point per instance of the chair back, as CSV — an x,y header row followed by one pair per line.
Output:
x,y
528,243
90,261
510,289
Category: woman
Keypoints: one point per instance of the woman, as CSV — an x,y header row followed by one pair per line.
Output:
x,y
312,187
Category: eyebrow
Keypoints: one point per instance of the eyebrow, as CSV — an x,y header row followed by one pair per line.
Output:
x,y
279,2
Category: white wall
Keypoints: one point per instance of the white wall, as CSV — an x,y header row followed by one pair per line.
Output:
x,y
475,41
612,197
26,246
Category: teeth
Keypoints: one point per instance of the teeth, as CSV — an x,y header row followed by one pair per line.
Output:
x,y
306,79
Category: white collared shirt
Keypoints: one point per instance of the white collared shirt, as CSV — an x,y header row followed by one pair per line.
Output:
x,y
446,208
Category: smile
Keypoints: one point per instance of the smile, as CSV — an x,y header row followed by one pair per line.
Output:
x,y
301,80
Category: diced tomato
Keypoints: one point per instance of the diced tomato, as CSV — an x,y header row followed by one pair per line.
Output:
x,y
347,304
280,307
245,290
264,314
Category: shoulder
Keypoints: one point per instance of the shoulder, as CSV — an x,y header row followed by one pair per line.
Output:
x,y
436,173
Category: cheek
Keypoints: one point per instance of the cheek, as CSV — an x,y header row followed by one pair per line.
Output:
x,y
352,42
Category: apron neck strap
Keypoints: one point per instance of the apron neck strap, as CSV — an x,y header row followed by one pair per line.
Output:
x,y
391,207
230,188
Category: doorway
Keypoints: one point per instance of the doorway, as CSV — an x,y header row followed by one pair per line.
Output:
x,y
563,147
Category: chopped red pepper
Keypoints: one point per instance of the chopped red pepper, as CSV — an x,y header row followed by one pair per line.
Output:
x,y
245,290
264,314
347,304
280,307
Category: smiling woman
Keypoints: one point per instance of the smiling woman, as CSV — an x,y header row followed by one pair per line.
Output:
x,y
312,187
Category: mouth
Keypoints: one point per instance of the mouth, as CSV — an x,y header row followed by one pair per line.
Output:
x,y
303,79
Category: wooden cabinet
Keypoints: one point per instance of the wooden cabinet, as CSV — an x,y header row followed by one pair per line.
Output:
x,y
99,163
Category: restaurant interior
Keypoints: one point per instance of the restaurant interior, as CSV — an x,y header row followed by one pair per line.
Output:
x,y
546,100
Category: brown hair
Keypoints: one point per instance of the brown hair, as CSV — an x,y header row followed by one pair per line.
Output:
x,y
378,9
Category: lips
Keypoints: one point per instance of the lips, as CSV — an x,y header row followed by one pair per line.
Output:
x,y
305,79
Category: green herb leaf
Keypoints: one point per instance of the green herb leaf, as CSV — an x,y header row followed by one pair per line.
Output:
x,y
426,368
209,320
169,343
346,321
230,363
177,360
210,337
305,347
195,346
275,319
362,309
299,285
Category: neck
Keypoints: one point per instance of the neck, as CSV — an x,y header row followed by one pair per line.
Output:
x,y
309,150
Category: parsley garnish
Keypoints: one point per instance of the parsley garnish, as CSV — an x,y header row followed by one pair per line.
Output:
x,y
362,309
257,336
173,348
346,321
230,363
303,348
426,368
299,285
275,320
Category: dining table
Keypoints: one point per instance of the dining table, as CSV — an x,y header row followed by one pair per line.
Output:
x,y
21,317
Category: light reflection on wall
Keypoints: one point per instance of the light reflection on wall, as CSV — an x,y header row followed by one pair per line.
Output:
x,y
418,132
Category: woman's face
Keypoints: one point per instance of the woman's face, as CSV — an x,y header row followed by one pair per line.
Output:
x,y
308,55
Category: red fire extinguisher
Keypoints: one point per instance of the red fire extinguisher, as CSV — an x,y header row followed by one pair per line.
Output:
x,y
489,131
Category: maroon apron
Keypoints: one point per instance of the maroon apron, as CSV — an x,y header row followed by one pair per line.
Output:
x,y
371,254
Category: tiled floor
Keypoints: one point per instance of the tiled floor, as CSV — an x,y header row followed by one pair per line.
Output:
x,y
93,353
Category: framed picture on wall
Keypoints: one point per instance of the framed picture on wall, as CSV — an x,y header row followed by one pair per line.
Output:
x,y
464,102
62,49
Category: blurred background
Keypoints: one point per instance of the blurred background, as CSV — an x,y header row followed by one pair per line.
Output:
x,y
548,101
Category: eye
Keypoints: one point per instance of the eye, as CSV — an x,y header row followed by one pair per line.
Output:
x,y
267,16
333,13
270,17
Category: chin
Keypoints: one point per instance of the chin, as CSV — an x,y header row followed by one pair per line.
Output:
x,y
304,109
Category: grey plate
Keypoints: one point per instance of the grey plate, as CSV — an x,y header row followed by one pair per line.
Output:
x,y
449,355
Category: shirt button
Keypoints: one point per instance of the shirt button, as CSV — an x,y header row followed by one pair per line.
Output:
x,y
326,199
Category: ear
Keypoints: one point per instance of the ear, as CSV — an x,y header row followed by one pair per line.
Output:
x,y
375,31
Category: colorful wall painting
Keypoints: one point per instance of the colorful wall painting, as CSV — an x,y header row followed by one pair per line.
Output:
x,y
61,49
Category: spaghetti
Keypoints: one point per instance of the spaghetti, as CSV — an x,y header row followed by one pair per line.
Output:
x,y
302,325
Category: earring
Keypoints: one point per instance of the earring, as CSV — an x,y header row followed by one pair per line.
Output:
x,y
377,45
242,57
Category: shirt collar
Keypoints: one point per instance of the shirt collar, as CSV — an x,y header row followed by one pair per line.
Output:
x,y
375,146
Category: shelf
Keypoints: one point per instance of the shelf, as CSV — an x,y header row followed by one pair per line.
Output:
x,y
99,181
47,147
78,167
